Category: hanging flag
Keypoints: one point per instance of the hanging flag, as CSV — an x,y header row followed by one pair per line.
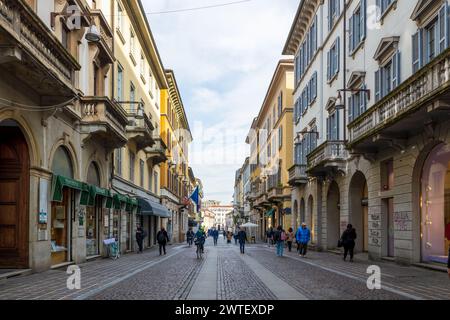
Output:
x,y
195,197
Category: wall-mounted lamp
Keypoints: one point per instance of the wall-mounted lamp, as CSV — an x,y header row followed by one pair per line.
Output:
x,y
340,103
92,35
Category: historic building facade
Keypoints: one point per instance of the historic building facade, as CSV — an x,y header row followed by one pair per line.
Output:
x,y
80,144
371,139
270,140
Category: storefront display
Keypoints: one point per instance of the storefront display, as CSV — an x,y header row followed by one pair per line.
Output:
x,y
435,205
60,232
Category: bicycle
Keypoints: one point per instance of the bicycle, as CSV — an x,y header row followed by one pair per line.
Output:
x,y
199,250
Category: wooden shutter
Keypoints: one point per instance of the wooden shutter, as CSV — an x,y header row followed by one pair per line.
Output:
x,y
350,35
379,10
350,109
329,65
337,55
377,85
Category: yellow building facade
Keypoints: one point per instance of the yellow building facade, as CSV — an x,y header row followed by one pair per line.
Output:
x,y
271,155
175,180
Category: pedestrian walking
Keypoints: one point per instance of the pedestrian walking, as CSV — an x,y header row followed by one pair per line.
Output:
x,y
290,238
235,236
303,236
348,241
229,237
224,235
269,235
215,234
162,237
190,236
279,238
242,237
139,237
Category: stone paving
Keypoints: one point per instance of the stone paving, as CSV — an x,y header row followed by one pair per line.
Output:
x,y
225,274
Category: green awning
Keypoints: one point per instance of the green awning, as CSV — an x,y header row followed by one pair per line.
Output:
x,y
60,182
95,191
118,199
270,213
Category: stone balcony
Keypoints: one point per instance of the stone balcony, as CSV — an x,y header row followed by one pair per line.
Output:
x,y
104,121
297,175
327,158
415,106
277,194
139,128
32,53
157,153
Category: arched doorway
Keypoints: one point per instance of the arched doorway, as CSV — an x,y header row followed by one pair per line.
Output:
x,y
93,213
311,220
295,222
333,215
62,212
359,210
302,212
14,196
435,205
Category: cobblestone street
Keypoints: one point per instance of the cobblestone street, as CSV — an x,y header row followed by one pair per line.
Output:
x,y
225,274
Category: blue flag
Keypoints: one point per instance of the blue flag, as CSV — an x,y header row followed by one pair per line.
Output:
x,y
195,197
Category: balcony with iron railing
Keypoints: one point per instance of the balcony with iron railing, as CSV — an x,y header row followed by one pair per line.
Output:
x,y
30,51
420,100
140,128
103,120
327,157
297,175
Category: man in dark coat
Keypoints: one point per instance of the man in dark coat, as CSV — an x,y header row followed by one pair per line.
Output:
x,y
139,237
162,237
242,237
348,241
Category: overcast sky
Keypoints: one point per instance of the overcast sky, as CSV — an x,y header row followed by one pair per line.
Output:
x,y
223,59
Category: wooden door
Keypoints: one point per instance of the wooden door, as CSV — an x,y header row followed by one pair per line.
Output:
x,y
14,198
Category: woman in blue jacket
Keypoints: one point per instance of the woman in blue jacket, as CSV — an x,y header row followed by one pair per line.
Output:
x,y
303,236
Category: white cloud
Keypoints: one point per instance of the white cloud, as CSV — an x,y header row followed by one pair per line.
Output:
x,y
223,59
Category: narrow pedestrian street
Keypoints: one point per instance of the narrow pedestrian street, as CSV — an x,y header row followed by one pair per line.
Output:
x,y
225,274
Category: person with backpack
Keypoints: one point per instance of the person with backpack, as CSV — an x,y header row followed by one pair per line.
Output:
x,y
139,237
190,236
200,238
279,237
303,236
162,237
348,241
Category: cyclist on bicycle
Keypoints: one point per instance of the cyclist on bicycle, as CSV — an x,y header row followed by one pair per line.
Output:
x,y
200,238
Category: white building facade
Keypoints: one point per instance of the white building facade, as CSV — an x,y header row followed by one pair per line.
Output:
x,y
370,121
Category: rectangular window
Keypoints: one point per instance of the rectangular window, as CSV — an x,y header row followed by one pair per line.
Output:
x,y
312,94
333,12
333,127
150,180
119,17
132,44
141,172
119,83
142,65
280,137
119,161
131,164
155,182
383,5
333,60
280,104
132,97
388,77
357,26
357,104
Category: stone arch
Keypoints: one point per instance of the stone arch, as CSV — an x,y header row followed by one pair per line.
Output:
x,y
302,215
359,210
102,167
72,154
93,174
417,178
333,215
295,215
33,149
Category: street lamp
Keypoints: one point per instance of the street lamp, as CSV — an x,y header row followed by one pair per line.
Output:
x,y
340,103
92,35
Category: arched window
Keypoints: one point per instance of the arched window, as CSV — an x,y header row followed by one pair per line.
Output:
x,y
93,174
62,165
